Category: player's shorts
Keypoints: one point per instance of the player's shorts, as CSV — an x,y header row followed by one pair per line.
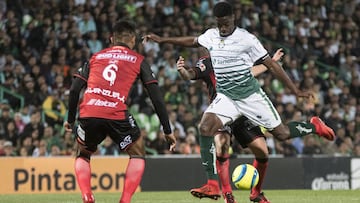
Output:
x,y
257,107
92,131
245,131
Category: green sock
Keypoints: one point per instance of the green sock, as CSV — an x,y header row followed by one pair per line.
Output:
x,y
300,129
208,157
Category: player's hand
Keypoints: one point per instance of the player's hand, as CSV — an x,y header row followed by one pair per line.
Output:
x,y
68,126
171,139
153,37
278,54
180,64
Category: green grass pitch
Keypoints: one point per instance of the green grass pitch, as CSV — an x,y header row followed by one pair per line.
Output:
x,y
275,196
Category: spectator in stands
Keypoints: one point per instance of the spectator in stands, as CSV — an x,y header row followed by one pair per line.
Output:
x,y
41,149
86,24
311,146
11,133
93,43
4,120
356,151
54,109
108,148
55,150
9,149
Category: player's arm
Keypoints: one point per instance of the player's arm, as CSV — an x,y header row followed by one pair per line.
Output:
x,y
188,41
78,83
258,69
280,74
154,92
185,73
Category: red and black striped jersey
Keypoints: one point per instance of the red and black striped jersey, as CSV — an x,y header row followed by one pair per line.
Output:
x,y
204,71
109,75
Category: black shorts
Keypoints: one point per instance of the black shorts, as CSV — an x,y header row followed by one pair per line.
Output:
x,y
92,131
245,131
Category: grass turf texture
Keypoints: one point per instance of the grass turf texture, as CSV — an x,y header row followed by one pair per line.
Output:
x,y
275,196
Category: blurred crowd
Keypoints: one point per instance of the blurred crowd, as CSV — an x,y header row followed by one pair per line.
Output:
x,y
43,42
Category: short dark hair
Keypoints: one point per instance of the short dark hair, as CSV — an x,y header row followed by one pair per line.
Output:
x,y
223,9
124,27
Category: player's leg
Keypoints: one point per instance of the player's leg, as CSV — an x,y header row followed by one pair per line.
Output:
x,y
299,129
83,173
88,136
259,148
221,111
126,134
222,145
209,125
134,170
250,135
260,110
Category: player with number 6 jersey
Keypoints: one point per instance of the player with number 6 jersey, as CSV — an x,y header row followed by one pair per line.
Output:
x,y
107,79
103,97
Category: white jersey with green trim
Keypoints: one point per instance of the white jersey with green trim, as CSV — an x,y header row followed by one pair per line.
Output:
x,y
232,58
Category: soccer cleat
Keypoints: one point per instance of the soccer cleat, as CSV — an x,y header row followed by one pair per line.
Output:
x,y
229,198
207,190
259,197
88,198
322,129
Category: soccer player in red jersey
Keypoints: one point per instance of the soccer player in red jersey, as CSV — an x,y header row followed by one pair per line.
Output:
x,y
246,133
107,79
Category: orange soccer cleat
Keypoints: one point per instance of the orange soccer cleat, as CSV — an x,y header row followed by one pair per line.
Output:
x,y
258,197
207,190
229,198
322,129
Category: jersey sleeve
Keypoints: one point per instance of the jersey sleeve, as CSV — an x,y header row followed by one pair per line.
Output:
x,y
203,68
146,74
156,97
257,50
205,38
83,72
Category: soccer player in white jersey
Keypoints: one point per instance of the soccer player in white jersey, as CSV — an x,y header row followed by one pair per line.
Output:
x,y
233,52
247,135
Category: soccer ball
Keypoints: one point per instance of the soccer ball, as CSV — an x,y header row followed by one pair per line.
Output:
x,y
245,177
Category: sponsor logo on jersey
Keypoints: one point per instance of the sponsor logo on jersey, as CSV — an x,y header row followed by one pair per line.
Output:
x,y
98,102
105,92
117,56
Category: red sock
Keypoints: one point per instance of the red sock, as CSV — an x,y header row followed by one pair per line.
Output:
x,y
83,175
223,171
133,175
261,168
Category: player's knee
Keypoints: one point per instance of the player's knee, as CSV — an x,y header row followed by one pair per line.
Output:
x,y
281,133
207,129
136,150
260,153
204,129
84,154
